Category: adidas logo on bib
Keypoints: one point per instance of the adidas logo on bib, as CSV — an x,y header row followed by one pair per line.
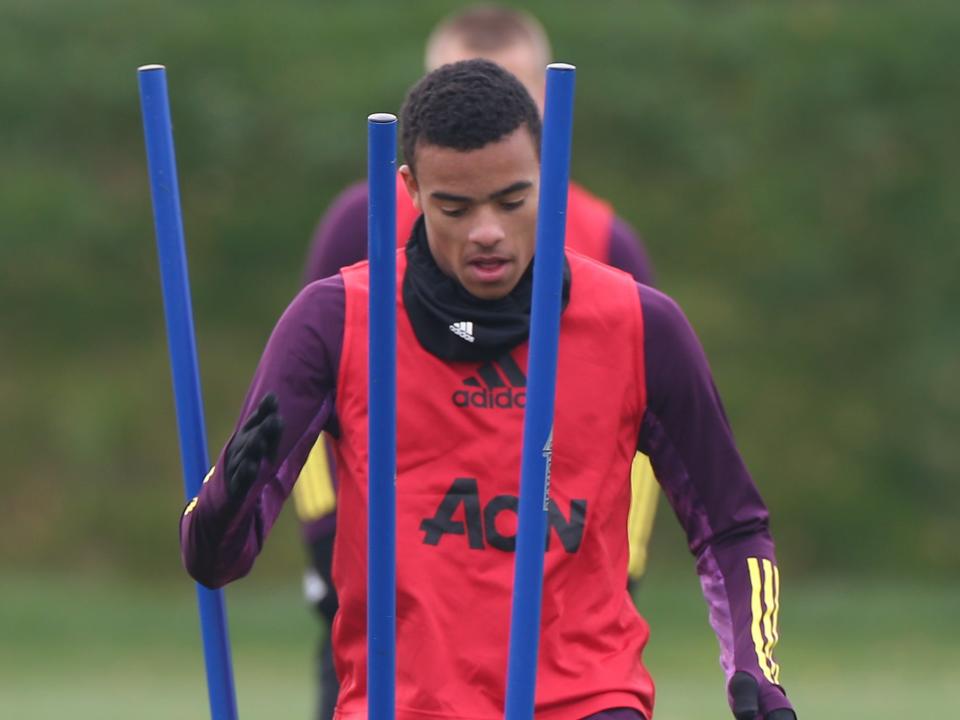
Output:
x,y
499,384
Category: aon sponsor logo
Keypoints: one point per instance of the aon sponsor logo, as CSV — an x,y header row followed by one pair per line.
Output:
x,y
487,525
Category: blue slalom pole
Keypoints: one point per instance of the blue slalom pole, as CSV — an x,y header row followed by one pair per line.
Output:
x,y
541,385
382,428
162,165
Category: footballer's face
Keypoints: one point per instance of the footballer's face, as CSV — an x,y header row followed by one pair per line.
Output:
x,y
480,209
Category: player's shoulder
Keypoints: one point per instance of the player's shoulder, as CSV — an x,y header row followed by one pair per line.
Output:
x,y
578,193
352,198
600,294
585,264
664,320
324,293
659,303
356,277
313,320
582,196
346,210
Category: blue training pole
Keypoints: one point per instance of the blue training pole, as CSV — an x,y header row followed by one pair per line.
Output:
x,y
541,385
183,360
382,428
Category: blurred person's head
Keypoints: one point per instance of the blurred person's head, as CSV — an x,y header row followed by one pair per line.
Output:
x,y
511,38
471,136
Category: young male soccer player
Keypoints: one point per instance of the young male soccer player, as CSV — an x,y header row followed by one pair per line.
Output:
x,y
470,132
516,41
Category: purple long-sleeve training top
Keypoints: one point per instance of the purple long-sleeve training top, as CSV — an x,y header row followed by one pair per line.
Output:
x,y
684,432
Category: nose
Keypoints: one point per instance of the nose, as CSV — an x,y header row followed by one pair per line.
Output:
x,y
487,229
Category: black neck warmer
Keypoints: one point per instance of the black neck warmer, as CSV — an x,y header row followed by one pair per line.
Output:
x,y
445,316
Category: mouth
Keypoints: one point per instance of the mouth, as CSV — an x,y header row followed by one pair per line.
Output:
x,y
488,268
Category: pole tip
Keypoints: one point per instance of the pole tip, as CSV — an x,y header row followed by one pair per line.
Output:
x,y
150,68
382,118
561,67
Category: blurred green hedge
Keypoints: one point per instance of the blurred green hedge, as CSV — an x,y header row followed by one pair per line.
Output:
x,y
791,166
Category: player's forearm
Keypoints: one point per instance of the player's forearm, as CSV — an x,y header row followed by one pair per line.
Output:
x,y
740,580
741,584
218,542
224,527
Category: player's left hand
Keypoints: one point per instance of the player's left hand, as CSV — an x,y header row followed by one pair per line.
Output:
x,y
745,700
257,440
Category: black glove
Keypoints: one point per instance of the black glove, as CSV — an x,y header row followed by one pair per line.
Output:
x,y
745,694
256,440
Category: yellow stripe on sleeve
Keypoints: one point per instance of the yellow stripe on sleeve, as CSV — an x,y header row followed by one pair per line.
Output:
x,y
776,620
756,611
313,493
771,600
193,503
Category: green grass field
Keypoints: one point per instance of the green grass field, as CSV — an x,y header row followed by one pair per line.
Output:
x,y
106,649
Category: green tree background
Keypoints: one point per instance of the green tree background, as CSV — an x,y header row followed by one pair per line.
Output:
x,y
791,166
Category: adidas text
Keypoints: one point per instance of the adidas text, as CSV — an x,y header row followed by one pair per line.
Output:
x,y
503,398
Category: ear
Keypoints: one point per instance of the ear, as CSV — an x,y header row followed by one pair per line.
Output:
x,y
413,190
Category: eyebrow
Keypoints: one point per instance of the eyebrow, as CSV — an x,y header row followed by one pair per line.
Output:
x,y
509,190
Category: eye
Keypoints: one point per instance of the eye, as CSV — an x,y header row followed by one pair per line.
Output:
x,y
454,212
513,204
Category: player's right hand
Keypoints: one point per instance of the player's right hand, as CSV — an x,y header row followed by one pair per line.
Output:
x,y
745,700
257,439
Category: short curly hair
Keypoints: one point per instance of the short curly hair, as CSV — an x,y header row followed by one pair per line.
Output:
x,y
465,106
